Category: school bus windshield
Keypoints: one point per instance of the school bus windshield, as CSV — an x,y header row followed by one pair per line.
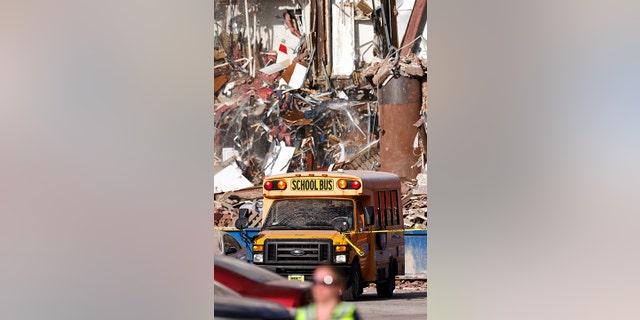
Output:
x,y
307,214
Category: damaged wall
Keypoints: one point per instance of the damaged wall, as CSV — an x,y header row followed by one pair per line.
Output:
x,y
351,45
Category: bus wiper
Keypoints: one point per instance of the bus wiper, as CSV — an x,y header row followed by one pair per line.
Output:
x,y
317,224
281,227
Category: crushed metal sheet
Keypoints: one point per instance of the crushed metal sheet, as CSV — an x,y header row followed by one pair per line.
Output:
x,y
279,159
229,179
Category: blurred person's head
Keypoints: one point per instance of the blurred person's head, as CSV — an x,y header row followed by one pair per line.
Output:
x,y
327,284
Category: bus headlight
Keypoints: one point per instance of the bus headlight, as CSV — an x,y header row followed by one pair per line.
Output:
x,y
257,257
341,258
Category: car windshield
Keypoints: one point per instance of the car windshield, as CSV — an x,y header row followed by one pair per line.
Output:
x,y
307,214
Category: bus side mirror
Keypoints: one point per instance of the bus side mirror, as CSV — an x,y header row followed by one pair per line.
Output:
x,y
340,224
242,222
368,215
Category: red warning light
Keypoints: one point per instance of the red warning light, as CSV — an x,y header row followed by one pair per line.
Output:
x,y
268,185
355,184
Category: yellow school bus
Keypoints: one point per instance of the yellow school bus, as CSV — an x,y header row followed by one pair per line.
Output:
x,y
350,219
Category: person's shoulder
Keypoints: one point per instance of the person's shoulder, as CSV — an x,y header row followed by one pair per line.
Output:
x,y
302,312
356,315
347,303
349,306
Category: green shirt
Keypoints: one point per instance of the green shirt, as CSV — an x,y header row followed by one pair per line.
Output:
x,y
343,311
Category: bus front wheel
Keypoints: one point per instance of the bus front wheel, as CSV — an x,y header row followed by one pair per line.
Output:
x,y
353,291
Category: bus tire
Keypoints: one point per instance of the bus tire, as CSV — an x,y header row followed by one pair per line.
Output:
x,y
385,289
353,291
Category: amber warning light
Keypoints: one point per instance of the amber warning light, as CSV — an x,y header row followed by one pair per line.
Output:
x,y
349,184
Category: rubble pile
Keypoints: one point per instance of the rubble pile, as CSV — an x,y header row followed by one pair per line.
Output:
x,y
292,131
264,128
406,285
278,108
411,285
227,207
414,201
394,66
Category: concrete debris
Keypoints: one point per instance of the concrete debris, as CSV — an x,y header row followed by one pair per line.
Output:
x,y
403,285
414,201
421,186
405,66
227,207
411,285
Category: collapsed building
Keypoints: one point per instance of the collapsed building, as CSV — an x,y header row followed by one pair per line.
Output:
x,y
305,85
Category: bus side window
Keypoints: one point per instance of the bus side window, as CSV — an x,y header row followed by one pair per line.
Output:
x,y
381,206
395,210
388,217
361,211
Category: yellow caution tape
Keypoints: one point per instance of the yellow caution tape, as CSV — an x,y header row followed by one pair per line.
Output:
x,y
226,229
358,250
382,231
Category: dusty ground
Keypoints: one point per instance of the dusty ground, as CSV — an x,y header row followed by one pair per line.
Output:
x,y
404,305
403,286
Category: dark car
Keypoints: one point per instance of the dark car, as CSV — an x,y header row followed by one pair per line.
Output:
x,y
252,281
228,304
226,244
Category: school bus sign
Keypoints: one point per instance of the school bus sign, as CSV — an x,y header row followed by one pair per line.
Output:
x,y
312,184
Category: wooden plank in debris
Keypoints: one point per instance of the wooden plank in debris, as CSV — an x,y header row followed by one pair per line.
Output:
x,y
406,200
250,193
255,220
219,82
421,216
364,7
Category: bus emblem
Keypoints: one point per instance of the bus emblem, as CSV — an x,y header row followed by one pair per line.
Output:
x,y
297,252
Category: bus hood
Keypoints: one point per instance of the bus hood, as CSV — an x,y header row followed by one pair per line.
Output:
x,y
335,236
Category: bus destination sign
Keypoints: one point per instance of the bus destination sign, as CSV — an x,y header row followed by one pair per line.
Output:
x,y
312,184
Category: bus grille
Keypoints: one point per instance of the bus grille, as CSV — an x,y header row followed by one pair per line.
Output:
x,y
297,251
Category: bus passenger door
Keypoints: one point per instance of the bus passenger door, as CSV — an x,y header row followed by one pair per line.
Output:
x,y
364,241
397,238
381,258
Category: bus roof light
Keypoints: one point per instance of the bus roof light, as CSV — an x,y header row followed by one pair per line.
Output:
x,y
355,184
268,185
282,185
342,184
